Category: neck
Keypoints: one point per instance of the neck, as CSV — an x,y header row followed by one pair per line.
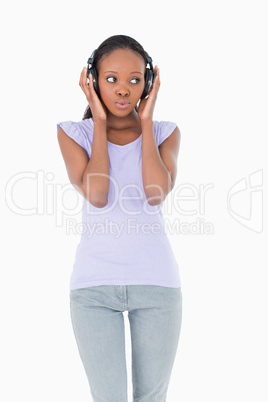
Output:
x,y
121,123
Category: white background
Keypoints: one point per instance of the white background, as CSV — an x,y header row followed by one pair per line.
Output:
x,y
213,65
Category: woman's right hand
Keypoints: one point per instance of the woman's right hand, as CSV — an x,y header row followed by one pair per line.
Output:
x,y
97,107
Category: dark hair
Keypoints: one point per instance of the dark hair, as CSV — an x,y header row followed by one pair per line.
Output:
x,y
108,46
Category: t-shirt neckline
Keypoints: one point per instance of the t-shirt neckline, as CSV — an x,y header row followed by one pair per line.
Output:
x,y
118,145
124,145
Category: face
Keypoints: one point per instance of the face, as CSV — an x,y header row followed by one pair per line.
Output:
x,y
121,81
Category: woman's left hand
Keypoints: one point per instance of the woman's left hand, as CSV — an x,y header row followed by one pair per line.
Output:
x,y
146,106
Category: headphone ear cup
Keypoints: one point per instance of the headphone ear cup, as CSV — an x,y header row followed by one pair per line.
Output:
x,y
148,83
94,73
95,81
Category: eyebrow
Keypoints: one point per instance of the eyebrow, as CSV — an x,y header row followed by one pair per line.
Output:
x,y
133,72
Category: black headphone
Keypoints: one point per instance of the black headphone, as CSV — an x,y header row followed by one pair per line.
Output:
x,y
149,75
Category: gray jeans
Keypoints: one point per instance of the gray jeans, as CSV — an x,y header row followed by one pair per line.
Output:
x,y
154,313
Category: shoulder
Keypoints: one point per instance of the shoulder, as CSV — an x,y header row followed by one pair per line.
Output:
x,y
86,126
82,127
80,131
164,129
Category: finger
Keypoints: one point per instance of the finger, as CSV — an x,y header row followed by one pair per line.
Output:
x,y
90,84
158,82
157,78
155,84
157,74
83,77
90,81
90,90
86,88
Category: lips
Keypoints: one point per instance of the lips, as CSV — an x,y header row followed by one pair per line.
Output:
x,y
123,102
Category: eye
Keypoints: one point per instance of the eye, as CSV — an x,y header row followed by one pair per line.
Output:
x,y
136,79
111,79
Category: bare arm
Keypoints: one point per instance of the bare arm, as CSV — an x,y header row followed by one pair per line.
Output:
x,y
159,164
89,176
96,177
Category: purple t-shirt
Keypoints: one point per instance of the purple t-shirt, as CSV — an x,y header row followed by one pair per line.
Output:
x,y
123,243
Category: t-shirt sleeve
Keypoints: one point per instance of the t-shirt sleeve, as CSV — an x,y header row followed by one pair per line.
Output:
x,y
78,132
163,129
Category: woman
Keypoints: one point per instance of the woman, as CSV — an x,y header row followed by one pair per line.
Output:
x,y
124,164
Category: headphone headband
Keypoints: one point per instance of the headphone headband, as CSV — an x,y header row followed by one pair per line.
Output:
x,y
149,59
91,59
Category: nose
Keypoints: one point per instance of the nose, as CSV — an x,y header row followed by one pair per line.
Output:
x,y
122,92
